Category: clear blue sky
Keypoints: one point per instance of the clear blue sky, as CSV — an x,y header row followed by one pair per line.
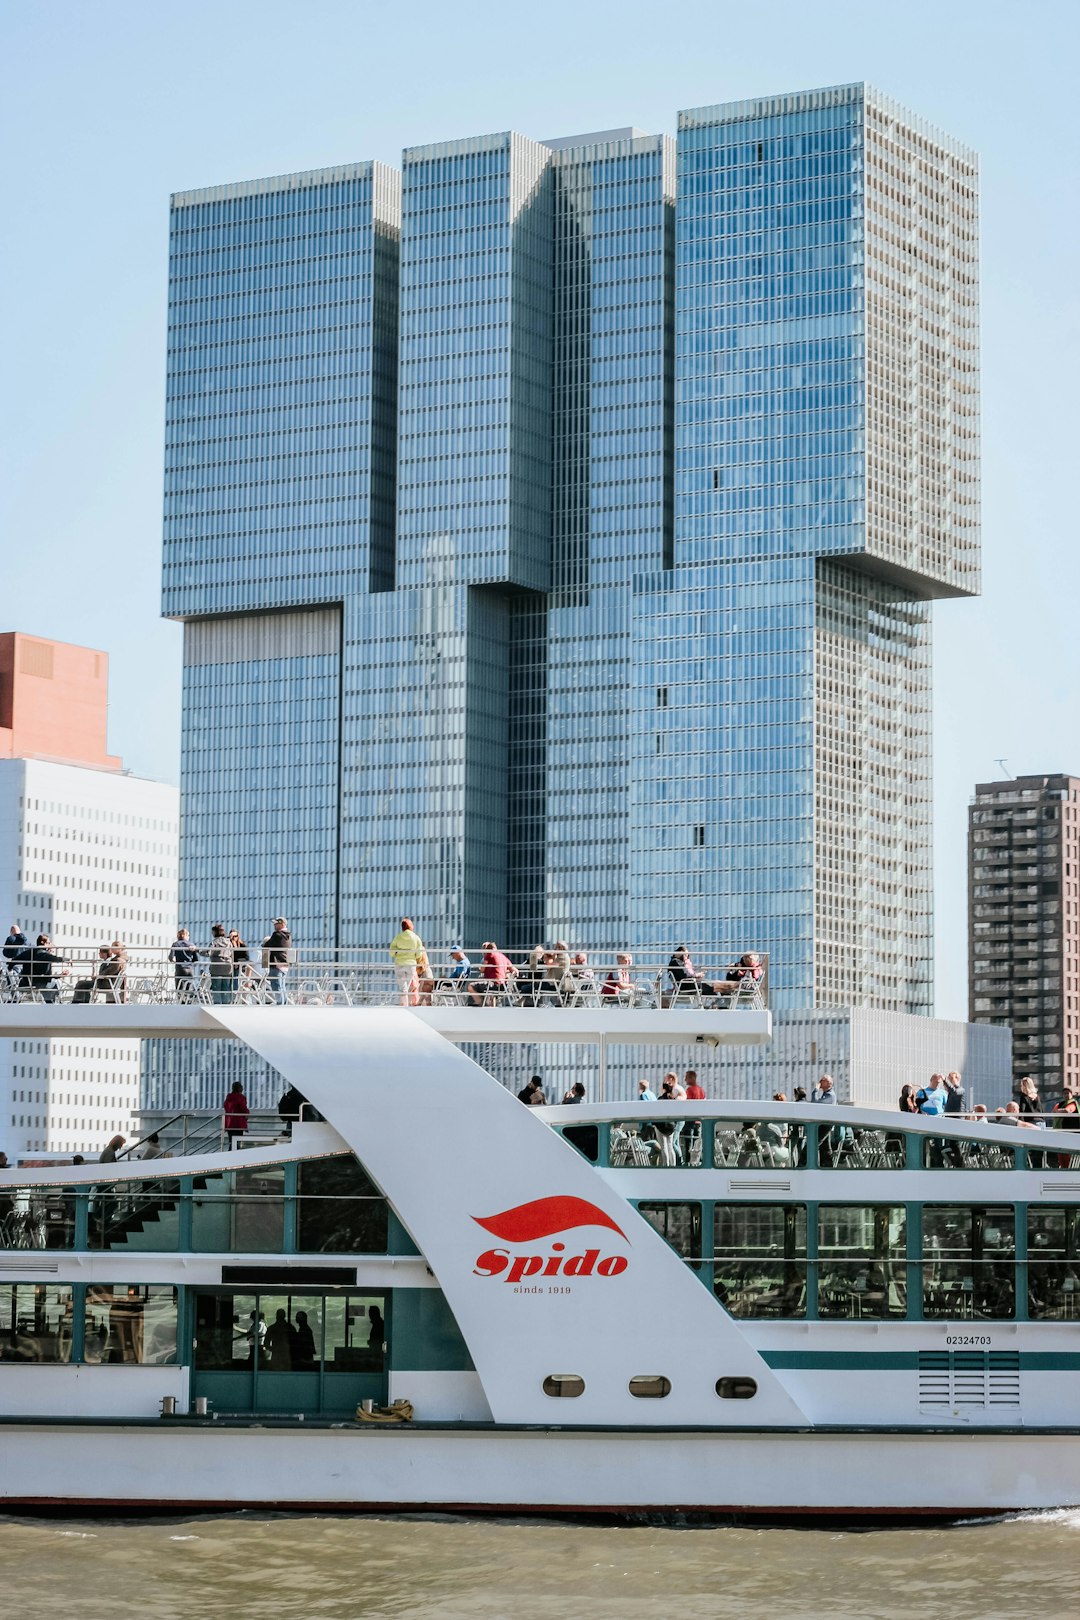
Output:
x,y
108,107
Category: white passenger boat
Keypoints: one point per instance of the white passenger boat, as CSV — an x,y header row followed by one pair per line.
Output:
x,y
762,1310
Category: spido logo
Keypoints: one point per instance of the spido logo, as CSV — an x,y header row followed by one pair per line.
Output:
x,y
543,1218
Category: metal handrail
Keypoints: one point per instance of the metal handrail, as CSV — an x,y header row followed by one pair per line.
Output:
x,y
325,976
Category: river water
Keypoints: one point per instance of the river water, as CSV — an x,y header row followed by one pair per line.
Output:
x,y
278,1568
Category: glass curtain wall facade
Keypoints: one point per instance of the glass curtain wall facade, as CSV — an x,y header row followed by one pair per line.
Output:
x,y
826,487
628,476
281,432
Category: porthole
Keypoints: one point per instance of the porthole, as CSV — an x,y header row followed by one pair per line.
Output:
x,y
564,1384
650,1387
736,1389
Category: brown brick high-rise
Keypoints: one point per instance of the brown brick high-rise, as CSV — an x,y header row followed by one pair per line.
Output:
x,y
1024,922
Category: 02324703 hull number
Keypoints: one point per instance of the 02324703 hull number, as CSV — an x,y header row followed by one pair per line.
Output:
x,y
982,1340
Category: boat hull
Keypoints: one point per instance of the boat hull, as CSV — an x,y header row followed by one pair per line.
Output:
x,y
847,1475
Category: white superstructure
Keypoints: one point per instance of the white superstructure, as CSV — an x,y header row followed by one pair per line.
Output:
x,y
718,1307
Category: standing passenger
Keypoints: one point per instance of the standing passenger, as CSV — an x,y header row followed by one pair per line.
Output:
x,y
236,1111
954,1093
406,953
183,956
221,968
278,949
241,963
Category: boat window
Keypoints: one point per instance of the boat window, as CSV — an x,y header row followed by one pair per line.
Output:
x,y
586,1138
566,1385
37,1218
355,1333
854,1147
985,1152
228,1331
290,1330
242,1211
760,1259
661,1144
680,1225
736,1389
650,1386
968,1261
135,1215
339,1209
1056,1160
862,1271
1054,1263
764,1144
35,1322
1039,1159
130,1322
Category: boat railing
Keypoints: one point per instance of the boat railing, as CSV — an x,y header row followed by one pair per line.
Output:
x,y
366,977
681,1136
150,976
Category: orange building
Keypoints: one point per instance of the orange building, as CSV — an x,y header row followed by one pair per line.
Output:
x,y
54,702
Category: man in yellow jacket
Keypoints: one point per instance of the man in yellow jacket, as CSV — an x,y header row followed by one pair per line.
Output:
x,y
407,953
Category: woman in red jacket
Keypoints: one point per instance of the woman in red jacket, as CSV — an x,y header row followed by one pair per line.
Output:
x,y
236,1111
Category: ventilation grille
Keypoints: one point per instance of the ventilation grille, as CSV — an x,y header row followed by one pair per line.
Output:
x,y
966,1378
10,1262
36,658
1053,1188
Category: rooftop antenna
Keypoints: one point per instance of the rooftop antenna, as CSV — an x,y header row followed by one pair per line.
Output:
x,y
1005,767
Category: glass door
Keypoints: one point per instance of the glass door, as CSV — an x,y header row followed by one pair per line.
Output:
x,y
290,1350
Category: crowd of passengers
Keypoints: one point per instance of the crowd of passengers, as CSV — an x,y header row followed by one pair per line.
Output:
x,y
551,976
779,1144
35,971
944,1094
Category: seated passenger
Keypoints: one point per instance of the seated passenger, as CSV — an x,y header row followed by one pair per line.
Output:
x,y
111,977
452,978
495,969
86,989
533,976
580,976
546,989
749,966
460,967
685,977
618,985
36,965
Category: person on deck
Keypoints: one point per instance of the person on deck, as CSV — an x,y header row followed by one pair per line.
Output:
x,y
236,1111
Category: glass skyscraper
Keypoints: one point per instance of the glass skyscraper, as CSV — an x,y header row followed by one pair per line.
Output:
x,y
555,525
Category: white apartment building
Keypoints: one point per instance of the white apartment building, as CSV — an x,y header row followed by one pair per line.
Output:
x,y
88,854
